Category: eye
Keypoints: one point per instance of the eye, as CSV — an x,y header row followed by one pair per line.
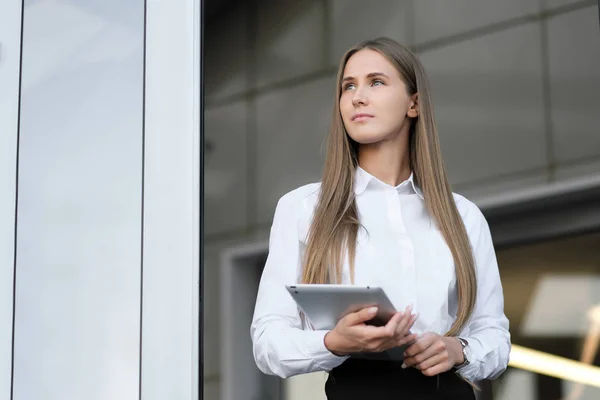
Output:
x,y
347,86
378,82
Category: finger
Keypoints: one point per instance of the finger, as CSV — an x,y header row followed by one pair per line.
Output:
x,y
382,338
422,343
385,335
436,369
405,324
433,361
392,324
438,347
361,316
413,320
419,358
372,333
391,329
407,339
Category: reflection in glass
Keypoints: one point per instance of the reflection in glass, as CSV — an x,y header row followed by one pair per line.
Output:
x,y
552,298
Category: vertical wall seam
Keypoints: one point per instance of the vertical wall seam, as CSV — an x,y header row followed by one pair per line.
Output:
x,y
142,198
20,102
251,118
547,99
409,18
201,225
327,33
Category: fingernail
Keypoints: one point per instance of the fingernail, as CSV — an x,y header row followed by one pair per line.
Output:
x,y
372,310
403,365
416,316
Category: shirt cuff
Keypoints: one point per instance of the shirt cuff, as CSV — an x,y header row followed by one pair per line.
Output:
x,y
324,358
470,372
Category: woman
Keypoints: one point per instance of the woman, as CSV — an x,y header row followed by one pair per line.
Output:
x,y
384,215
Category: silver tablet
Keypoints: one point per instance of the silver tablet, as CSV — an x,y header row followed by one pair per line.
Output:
x,y
324,305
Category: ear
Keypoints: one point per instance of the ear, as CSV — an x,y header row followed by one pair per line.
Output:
x,y
413,108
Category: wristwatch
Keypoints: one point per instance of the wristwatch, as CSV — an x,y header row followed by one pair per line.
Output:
x,y
464,344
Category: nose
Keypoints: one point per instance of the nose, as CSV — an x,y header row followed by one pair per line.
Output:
x,y
360,97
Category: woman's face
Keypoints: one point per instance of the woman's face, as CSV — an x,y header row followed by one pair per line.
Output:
x,y
374,104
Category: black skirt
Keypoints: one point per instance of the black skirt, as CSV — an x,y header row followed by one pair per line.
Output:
x,y
367,379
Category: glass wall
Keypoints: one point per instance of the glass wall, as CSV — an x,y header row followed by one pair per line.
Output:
x,y
552,298
100,199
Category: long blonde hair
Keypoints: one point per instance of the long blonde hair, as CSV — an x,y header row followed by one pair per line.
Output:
x,y
334,228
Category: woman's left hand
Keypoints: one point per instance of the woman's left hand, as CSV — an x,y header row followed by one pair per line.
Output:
x,y
433,354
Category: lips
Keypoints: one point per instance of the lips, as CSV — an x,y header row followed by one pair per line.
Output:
x,y
362,116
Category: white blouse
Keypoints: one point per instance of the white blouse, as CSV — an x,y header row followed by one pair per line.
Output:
x,y
401,251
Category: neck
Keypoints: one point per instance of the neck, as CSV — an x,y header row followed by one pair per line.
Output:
x,y
387,160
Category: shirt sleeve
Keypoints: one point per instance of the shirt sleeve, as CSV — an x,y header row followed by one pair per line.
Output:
x,y
487,331
280,345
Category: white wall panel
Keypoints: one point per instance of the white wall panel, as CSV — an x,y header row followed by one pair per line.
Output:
x,y
170,332
10,48
85,195
79,218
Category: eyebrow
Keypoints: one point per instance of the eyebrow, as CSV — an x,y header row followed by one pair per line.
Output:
x,y
371,75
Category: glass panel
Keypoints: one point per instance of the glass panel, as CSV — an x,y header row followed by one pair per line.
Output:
x,y
10,49
77,322
552,297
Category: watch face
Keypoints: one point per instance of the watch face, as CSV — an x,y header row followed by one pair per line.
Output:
x,y
465,350
467,353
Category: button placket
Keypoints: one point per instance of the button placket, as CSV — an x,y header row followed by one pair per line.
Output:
x,y
406,250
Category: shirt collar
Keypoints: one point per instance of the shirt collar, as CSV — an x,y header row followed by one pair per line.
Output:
x,y
362,179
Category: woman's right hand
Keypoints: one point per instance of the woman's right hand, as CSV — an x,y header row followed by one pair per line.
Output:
x,y
351,334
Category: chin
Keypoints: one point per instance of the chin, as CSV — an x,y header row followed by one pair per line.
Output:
x,y
366,137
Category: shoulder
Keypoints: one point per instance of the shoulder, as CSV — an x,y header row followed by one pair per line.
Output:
x,y
465,206
478,232
300,195
471,215
299,202
296,208
300,198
